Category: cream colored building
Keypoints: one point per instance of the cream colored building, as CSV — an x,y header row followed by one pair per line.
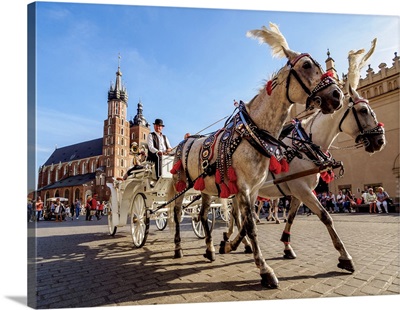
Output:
x,y
363,170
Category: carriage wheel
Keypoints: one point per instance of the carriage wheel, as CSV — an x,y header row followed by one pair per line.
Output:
x,y
161,220
198,227
111,228
140,221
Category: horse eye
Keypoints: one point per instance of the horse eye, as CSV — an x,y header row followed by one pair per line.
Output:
x,y
364,111
307,65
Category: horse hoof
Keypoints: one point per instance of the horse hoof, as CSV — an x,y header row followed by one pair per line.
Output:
x,y
178,254
210,255
289,254
222,247
248,249
269,280
346,265
277,222
225,236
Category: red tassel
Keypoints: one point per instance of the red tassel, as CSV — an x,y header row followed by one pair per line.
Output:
x,y
218,177
380,124
274,165
284,165
177,166
327,177
232,187
328,73
199,185
180,186
269,88
232,174
225,193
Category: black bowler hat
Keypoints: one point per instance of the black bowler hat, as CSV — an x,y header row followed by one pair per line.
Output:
x,y
158,122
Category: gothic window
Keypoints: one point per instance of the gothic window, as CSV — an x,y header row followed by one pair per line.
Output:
x,y
122,173
122,163
122,152
122,131
108,162
116,108
380,90
390,87
109,130
122,141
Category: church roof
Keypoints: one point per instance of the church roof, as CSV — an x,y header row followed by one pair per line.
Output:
x,y
72,181
76,151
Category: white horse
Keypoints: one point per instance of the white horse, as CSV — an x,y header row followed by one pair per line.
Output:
x,y
235,159
358,121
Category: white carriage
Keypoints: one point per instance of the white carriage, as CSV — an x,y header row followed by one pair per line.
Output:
x,y
140,198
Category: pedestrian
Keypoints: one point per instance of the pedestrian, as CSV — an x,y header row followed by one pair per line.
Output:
x,y
158,145
77,208
382,198
99,211
93,207
58,210
87,207
371,199
30,210
39,208
339,201
72,211
330,202
67,211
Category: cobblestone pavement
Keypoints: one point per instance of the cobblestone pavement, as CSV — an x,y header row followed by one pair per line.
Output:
x,y
95,269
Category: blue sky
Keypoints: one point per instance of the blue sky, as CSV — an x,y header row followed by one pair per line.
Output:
x,y
186,65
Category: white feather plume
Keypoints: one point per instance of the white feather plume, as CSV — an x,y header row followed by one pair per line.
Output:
x,y
273,37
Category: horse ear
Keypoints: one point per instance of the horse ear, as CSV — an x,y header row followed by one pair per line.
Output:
x,y
353,93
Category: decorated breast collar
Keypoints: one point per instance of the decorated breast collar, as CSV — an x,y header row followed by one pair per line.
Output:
x,y
260,139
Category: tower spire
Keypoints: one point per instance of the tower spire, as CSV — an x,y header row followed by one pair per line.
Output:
x,y
119,92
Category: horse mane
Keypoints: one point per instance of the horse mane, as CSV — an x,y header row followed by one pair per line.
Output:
x,y
356,62
273,37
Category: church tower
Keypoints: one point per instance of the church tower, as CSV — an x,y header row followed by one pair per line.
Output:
x,y
116,142
140,128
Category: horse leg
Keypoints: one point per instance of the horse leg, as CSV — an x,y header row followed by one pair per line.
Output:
x,y
268,278
205,206
288,250
177,219
225,246
276,211
345,260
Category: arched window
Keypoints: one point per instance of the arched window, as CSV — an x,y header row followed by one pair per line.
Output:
x,y
122,163
108,162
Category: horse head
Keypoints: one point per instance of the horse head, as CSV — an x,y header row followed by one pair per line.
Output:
x,y
302,74
364,127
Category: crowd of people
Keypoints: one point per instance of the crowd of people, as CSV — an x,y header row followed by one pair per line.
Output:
x,y
346,202
60,211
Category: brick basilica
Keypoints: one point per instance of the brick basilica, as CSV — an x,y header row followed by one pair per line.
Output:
x,y
78,170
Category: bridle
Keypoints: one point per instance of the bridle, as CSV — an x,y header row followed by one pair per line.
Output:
x,y
326,80
363,134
